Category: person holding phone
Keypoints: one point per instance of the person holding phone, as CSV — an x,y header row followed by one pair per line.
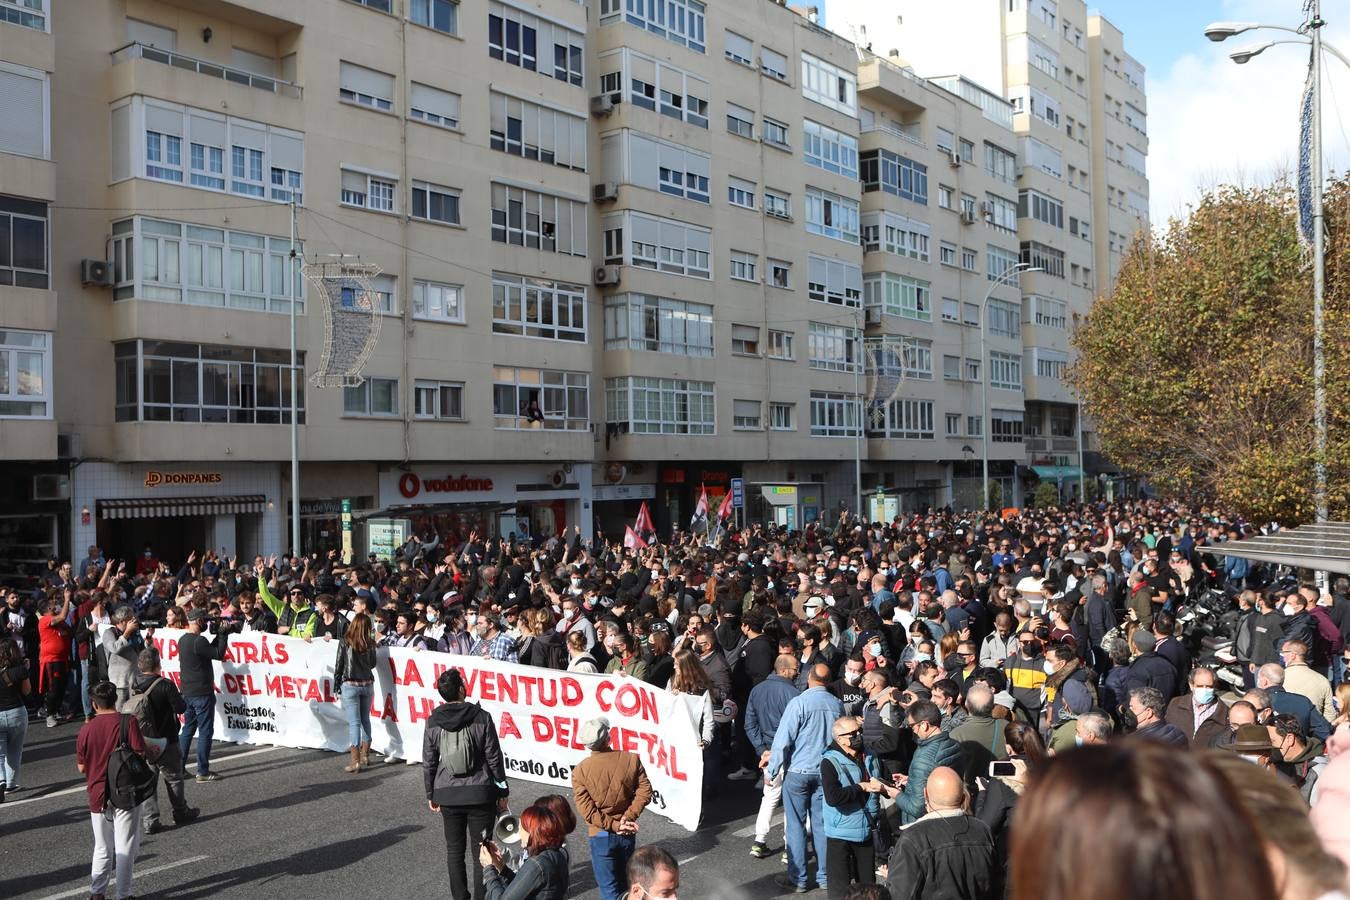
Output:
x,y
851,780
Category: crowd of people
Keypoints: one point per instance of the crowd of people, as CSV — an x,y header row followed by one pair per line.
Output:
x,y
945,705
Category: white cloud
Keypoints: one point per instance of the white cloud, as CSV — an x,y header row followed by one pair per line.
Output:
x,y
1212,121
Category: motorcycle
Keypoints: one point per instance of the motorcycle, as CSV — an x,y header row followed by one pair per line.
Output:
x,y
1209,627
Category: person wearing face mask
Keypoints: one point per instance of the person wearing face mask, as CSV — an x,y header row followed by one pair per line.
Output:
x,y
1148,669
1297,756
491,642
881,717
848,688
653,874
1092,728
851,780
1252,742
932,749
572,619
1199,715
1144,716
627,658
1026,676
1270,680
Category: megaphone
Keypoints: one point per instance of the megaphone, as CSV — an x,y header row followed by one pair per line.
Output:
x,y
506,835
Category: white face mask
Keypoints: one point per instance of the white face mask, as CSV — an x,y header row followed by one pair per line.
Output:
x,y
1049,668
853,677
1290,609
569,614
471,619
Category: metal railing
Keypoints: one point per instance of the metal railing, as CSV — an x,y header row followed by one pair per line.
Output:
x,y
136,50
895,131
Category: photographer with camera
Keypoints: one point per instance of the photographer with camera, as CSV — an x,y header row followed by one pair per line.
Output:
x,y
197,677
121,644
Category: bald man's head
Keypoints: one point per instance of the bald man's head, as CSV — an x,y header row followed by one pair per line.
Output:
x,y
944,790
1241,713
785,666
820,675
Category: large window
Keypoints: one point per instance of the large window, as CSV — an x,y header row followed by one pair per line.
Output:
x,y
438,400
438,302
377,397
999,261
24,108
535,307
1005,370
830,280
829,85
1000,212
661,405
538,221
830,150
434,106
162,381
1005,426
1050,363
831,215
899,295
834,414
906,420
1035,205
832,347
23,242
1046,312
656,165
527,129
1005,319
1000,163
521,396
28,13
365,87
659,324
908,356
206,150
666,245
433,203
652,84
175,262
1044,257
883,170
442,15
367,190
25,374
895,234
540,45
678,21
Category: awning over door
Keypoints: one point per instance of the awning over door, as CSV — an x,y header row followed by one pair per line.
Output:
x,y
1324,547
167,507
1056,473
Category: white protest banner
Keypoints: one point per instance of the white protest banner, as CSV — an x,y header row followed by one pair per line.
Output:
x,y
279,690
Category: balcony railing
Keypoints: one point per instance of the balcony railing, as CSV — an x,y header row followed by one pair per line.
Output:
x,y
215,70
895,131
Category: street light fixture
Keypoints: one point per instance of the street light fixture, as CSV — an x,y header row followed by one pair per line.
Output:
x,y
1222,31
1008,273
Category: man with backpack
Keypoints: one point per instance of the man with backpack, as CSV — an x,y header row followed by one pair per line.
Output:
x,y
465,778
110,753
157,704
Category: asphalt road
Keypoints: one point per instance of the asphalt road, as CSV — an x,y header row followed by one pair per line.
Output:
x,y
291,823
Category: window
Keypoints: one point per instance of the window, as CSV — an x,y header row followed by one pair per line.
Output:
x,y
740,49
381,5
678,21
951,368
740,121
438,302
780,345
1000,213
972,369
776,134
438,400
970,314
830,280
1062,422
23,242
368,191
740,192
164,157
780,274
160,381
947,254
944,196
899,295
781,417
777,204
951,310
953,424
1005,426
1136,118
365,87
433,203
1027,99
373,397
1047,258
208,167
1005,370
1047,312
434,106
25,374
832,347
1039,155
28,13
637,239
1041,56
834,415
968,207
381,296
970,260
525,129
655,85
1000,163
831,215
538,221
744,266
520,395
745,340
535,307
910,356
442,15
655,164
974,426
567,61
661,405
174,262
829,85
1038,206
1004,318
24,105
658,324
773,63
946,140
1050,363
830,150
883,170
745,415
895,234
285,184
908,420
999,261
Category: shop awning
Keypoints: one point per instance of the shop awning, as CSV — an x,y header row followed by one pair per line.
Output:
x,y
1324,547
167,507
1056,473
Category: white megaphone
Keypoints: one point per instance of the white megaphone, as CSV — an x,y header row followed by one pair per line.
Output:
x,y
506,835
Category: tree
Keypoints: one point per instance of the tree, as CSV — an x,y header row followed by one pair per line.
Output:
x,y
1197,368
1046,494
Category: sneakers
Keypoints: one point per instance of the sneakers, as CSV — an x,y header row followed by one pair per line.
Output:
x,y
760,850
743,774
790,886
152,828
412,762
783,858
208,778
52,721
187,816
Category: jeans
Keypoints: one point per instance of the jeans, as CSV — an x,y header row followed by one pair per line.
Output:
x,y
199,719
465,827
84,689
117,837
169,765
773,798
610,853
850,861
13,726
1337,674
356,704
803,798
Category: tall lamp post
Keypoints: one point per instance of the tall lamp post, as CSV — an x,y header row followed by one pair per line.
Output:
x,y
1309,34
986,425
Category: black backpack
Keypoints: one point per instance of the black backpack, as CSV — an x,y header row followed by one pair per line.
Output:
x,y
131,780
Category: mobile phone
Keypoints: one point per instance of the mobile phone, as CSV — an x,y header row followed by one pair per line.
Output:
x,y
997,768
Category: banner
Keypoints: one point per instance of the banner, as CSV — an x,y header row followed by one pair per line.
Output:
x,y
278,690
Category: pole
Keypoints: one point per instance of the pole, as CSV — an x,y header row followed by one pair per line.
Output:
x,y
295,425
1319,276
1082,484
857,392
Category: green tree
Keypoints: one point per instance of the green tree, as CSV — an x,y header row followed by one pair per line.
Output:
x,y
1047,494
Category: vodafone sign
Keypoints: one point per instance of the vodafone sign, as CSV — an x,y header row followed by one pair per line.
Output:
x,y
412,485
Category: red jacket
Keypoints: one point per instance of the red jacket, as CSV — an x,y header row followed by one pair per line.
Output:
x,y
53,644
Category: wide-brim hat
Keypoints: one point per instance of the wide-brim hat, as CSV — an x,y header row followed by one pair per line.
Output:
x,y
1251,738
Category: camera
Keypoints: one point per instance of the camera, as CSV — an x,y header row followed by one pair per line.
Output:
x,y
1042,633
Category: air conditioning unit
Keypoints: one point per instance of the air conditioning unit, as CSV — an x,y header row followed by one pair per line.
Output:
x,y
606,275
602,104
968,216
97,272
1021,171
69,446
874,315
954,158
51,487
605,190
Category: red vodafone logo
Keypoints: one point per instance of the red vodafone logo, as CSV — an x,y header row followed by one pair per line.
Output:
x,y
410,485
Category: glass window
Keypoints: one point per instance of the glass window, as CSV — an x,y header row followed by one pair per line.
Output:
x,y
535,307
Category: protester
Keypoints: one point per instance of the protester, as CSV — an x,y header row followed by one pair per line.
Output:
x,y
122,644
611,791
932,749
117,832
850,779
55,633
354,675
543,875
1199,715
15,685
653,874
947,852
1147,710
160,708
197,679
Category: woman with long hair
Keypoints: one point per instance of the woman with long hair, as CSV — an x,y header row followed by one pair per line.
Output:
x,y
14,688
1341,701
691,686
354,671
543,875
1153,820
660,663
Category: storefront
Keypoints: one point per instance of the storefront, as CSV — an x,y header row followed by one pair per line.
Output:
x,y
232,508
34,520
618,505
793,505
321,522
678,488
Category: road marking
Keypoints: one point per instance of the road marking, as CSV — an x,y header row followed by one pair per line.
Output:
x,y
749,830
83,891
81,788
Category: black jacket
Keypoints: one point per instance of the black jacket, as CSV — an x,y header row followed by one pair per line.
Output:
x,y
484,785
944,858
196,674
166,704
1151,670
660,669
353,666
754,665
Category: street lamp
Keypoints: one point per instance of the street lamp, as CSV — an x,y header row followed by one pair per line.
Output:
x,y
986,425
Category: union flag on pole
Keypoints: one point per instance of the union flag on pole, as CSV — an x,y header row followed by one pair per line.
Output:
x,y
700,508
724,508
631,539
644,524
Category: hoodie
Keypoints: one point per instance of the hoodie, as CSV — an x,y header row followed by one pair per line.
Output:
x,y
487,783
166,704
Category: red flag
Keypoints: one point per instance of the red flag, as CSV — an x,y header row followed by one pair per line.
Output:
x,y
701,507
631,539
724,508
644,525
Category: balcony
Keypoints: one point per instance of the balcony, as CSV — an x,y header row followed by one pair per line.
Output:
x,y
884,126
203,67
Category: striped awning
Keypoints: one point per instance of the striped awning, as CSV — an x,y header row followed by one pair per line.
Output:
x,y
167,507
1320,547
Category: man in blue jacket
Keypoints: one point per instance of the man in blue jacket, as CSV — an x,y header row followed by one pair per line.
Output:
x,y
806,729
764,710
932,749
1270,678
